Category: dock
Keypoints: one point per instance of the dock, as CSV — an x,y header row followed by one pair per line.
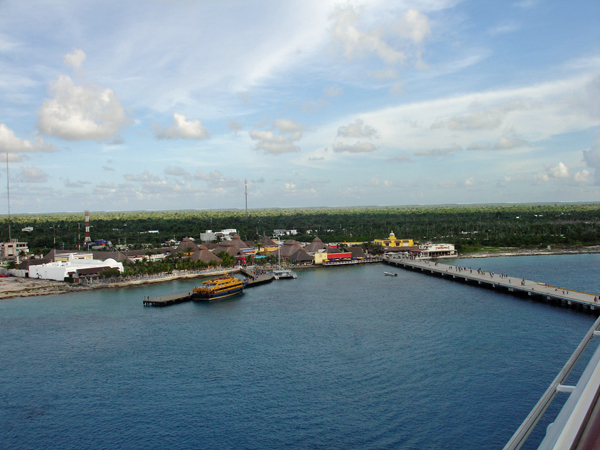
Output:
x,y
172,299
511,284
256,280
165,300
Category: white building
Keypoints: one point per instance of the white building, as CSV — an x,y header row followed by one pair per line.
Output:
x,y
433,251
72,268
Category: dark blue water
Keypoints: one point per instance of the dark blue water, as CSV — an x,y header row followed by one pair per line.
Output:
x,y
339,358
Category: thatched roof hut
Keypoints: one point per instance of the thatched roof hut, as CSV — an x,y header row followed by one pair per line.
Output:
x,y
290,247
301,257
187,246
228,247
203,254
315,246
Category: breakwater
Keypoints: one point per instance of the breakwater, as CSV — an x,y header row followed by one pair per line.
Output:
x,y
514,285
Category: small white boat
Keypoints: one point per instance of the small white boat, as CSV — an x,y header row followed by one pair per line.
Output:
x,y
282,274
390,274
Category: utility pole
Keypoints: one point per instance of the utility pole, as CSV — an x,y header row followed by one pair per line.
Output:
x,y
246,191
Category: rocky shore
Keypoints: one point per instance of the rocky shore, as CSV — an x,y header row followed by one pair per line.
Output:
x,y
532,252
12,287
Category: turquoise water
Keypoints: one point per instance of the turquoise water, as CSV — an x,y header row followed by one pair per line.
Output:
x,y
339,358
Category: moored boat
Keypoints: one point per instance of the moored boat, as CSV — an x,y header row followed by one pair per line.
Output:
x,y
283,274
218,288
390,274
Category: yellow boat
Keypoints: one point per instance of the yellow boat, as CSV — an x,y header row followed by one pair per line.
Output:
x,y
218,288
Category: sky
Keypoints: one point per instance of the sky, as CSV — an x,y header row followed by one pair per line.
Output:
x,y
182,104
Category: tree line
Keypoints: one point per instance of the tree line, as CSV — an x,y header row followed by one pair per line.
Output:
x,y
469,227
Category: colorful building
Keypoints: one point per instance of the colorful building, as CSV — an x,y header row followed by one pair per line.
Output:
x,y
393,241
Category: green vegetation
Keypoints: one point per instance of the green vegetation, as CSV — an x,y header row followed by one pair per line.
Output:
x,y
470,227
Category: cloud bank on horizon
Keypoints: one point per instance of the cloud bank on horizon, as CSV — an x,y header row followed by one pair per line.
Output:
x,y
174,105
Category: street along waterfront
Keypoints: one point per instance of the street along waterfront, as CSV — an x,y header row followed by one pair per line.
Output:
x,y
339,358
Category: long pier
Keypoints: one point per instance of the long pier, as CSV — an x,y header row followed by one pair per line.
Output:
x,y
507,283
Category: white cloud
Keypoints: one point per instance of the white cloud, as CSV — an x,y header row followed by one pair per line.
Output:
x,y
359,147
480,120
177,172
33,175
333,91
356,42
234,126
400,158
509,140
440,151
357,129
75,59
288,126
268,142
414,25
592,159
81,112
9,143
383,74
284,142
506,27
557,171
182,129
582,177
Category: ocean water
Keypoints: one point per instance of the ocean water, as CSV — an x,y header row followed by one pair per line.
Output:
x,y
341,358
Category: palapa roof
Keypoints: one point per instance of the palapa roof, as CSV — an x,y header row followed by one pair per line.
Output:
x,y
357,252
228,247
237,241
290,247
187,246
315,246
203,254
301,256
267,242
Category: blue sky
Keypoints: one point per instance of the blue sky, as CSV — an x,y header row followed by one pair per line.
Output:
x,y
173,104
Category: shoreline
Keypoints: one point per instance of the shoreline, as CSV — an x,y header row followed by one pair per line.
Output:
x,y
532,252
14,287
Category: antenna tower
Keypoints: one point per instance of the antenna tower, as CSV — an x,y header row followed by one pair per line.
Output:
x,y
8,196
88,239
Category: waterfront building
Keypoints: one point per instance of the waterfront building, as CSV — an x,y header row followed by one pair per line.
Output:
x,y
13,249
332,254
433,251
73,269
392,241
268,245
301,257
315,246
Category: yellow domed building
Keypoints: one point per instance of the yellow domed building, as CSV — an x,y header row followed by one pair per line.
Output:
x,y
393,241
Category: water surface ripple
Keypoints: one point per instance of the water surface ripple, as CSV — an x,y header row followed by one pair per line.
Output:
x,y
341,358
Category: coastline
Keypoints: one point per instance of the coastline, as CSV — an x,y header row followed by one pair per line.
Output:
x,y
13,287
532,252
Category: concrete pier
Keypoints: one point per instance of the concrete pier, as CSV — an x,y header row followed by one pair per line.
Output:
x,y
166,300
493,280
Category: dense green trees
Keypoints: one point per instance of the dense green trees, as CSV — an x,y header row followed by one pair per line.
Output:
x,y
468,227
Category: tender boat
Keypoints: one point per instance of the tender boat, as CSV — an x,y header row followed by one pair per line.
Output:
x,y
283,274
390,274
218,288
